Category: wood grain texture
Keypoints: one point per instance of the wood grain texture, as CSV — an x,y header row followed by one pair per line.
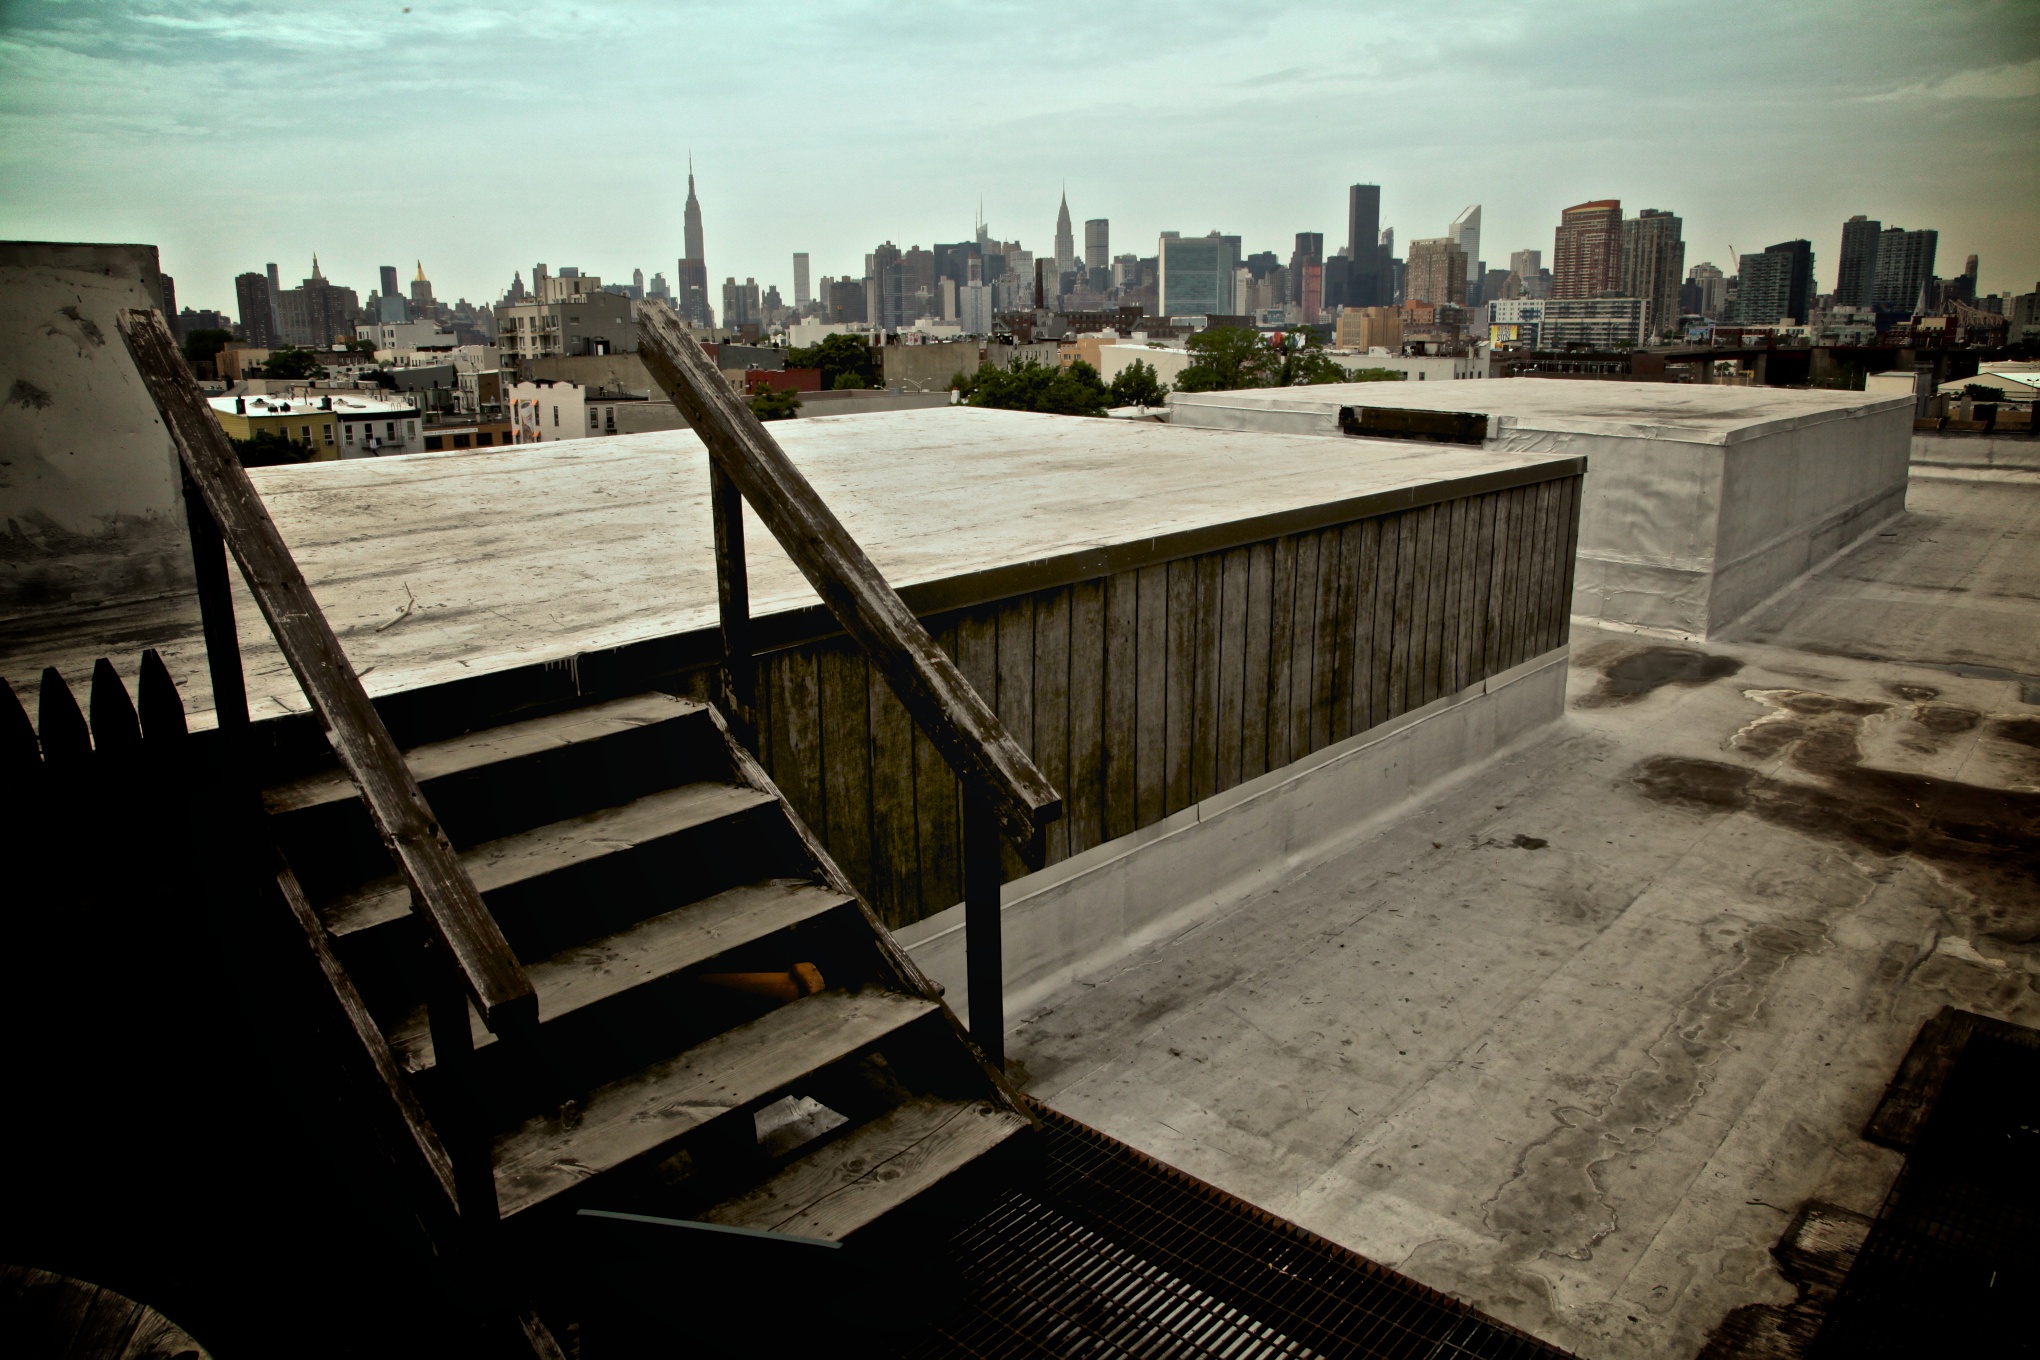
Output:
x,y
453,910
895,818
1281,641
1181,669
1050,746
1255,662
963,726
1302,645
1366,586
1385,558
1119,736
1405,665
1152,697
1084,785
1231,669
1204,679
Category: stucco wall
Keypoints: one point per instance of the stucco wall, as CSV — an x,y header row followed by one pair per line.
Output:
x,y
90,498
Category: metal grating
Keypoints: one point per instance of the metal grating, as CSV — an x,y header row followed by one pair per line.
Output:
x,y
1114,1255
1952,1264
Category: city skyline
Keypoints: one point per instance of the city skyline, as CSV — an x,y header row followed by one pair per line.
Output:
x,y
1787,124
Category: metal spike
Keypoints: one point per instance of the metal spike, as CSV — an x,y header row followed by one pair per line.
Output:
x,y
162,707
114,724
58,721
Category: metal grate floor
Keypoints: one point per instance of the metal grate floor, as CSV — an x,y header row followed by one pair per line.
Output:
x,y
1113,1254
1952,1264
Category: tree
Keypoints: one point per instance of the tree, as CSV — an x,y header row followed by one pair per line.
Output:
x,y
203,345
838,356
1138,385
774,403
269,448
361,345
1228,359
1029,385
290,362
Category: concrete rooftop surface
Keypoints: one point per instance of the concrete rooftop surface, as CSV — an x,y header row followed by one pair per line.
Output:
x,y
1574,1034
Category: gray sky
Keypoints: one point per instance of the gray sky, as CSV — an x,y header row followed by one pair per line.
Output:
x,y
483,136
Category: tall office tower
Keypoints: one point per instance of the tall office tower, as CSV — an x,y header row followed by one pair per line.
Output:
x,y
1711,285
1097,244
1197,274
1961,288
1524,264
1436,271
251,296
1905,261
1653,264
1465,233
275,302
390,286
169,292
1776,286
691,281
1856,275
421,292
1065,240
1587,253
1363,248
801,295
1310,250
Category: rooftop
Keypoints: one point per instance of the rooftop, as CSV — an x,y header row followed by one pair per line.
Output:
x,y
343,404
1574,1036
1691,412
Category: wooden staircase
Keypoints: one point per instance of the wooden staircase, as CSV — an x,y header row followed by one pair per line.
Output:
x,y
636,857
594,959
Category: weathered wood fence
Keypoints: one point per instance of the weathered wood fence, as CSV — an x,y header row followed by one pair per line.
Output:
x,y
1145,691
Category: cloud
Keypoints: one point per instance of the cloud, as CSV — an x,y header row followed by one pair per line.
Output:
x,y
2017,81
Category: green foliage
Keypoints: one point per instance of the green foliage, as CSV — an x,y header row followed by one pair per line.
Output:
x,y
1310,367
361,345
774,403
289,362
1373,375
1137,385
1228,358
200,346
1029,385
838,357
1981,392
269,448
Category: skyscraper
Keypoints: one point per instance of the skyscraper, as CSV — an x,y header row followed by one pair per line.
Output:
x,y
275,302
1309,252
1905,261
1653,263
1587,252
390,286
1525,263
1437,271
1363,248
258,323
1775,286
421,292
1197,274
1065,240
692,279
1465,233
801,295
1097,244
1856,275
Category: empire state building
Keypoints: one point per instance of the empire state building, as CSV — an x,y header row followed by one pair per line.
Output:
x,y
691,286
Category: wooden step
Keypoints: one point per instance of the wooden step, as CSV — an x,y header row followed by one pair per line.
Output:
x,y
560,845
591,973
494,746
856,1180
645,1112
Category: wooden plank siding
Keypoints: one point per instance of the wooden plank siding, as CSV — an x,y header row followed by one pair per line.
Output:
x,y
1142,692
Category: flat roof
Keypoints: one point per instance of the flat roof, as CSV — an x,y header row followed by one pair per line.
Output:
x,y
1688,412
438,566
343,405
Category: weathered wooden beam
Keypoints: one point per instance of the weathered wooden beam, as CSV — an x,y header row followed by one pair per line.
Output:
x,y
454,911
115,724
162,711
58,722
733,598
966,731
216,614
984,942
20,752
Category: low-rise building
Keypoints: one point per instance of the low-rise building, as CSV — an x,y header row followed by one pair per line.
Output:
x,y
1602,323
569,316
402,335
330,424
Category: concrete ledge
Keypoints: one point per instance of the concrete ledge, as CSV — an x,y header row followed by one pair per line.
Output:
x,y
1976,451
1091,910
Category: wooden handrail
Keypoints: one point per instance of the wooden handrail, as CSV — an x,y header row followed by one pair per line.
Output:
x,y
959,722
440,887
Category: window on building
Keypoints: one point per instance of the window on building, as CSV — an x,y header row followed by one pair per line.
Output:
x,y
556,417
306,432
350,433
483,440
594,417
410,429
433,443
390,429
461,441
327,431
